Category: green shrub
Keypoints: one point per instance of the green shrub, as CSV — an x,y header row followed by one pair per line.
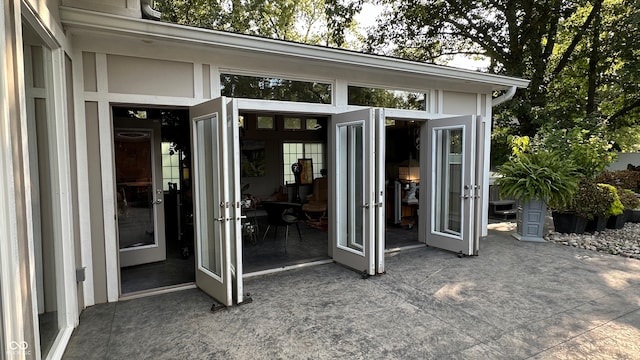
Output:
x,y
628,199
589,201
616,207
589,149
625,179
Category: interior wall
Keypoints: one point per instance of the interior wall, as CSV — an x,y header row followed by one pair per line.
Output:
x,y
96,205
264,186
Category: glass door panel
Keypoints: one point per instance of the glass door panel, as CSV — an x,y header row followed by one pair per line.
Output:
x,y
451,183
353,213
448,193
140,208
208,198
217,200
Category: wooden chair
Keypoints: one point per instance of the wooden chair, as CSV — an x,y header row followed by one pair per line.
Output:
x,y
317,201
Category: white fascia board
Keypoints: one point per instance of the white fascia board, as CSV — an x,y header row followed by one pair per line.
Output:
x,y
154,30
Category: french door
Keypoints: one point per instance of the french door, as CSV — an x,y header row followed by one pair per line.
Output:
x,y
140,207
357,190
217,210
452,191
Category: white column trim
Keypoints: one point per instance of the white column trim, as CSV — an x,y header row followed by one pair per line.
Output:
x,y
82,172
341,94
488,120
105,130
198,89
433,101
61,134
214,76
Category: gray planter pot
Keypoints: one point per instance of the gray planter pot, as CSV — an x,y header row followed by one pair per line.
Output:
x,y
530,221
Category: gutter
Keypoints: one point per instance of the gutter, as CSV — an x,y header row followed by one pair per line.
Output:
x,y
504,97
148,12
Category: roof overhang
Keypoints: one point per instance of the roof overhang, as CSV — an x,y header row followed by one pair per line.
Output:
x,y
84,20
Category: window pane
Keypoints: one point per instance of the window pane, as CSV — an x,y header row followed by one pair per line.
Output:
x,y
266,88
292,123
170,165
312,124
291,152
397,99
265,122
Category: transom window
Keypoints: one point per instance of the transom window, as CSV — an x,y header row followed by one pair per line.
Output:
x,y
270,88
396,99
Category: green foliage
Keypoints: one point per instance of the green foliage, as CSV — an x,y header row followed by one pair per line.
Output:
x,y
326,22
616,207
589,201
625,179
543,175
627,138
579,55
588,149
628,199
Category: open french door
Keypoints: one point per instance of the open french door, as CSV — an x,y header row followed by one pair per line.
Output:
x,y
453,188
357,192
217,212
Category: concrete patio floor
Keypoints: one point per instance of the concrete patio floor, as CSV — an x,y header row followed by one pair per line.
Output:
x,y
515,301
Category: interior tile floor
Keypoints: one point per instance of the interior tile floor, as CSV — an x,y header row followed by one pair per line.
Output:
x,y
515,300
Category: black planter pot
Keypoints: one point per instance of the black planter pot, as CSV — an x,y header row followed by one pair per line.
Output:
x,y
633,215
568,223
616,222
599,223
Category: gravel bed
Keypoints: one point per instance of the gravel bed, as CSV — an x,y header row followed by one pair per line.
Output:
x,y
624,242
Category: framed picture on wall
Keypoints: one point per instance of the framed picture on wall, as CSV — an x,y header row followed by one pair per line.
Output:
x,y
306,173
252,162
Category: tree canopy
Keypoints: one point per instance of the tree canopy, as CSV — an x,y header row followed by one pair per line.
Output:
x,y
580,56
324,22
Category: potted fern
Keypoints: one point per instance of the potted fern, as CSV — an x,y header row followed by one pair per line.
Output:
x,y
535,179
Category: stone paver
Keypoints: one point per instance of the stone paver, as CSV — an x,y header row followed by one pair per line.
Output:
x,y
515,301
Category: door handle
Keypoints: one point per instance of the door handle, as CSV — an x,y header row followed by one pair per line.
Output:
x,y
156,202
365,206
